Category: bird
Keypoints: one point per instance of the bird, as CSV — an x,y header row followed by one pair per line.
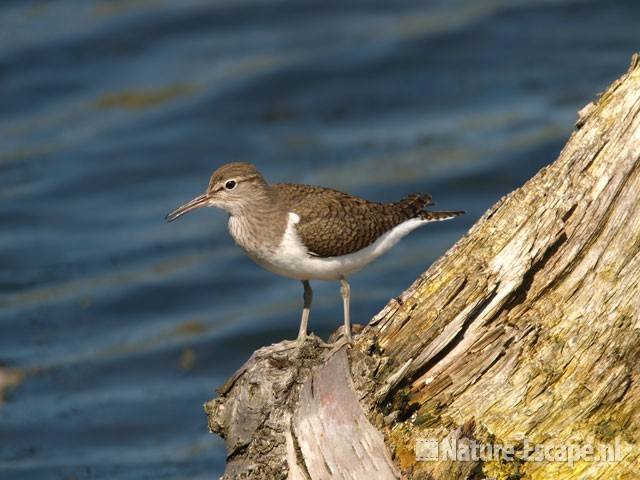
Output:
x,y
309,232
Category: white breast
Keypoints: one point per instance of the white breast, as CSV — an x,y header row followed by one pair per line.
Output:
x,y
292,259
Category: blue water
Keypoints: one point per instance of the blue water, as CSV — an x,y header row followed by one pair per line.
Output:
x,y
112,113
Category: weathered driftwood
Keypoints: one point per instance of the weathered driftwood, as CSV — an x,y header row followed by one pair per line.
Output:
x,y
293,413
528,327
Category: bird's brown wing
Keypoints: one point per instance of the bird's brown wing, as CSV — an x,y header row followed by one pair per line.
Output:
x,y
334,223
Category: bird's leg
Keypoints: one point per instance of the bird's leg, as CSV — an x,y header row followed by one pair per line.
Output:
x,y
345,291
306,308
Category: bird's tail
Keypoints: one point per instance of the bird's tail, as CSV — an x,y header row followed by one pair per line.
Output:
x,y
414,206
437,216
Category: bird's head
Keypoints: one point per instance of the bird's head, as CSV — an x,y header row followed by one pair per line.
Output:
x,y
234,187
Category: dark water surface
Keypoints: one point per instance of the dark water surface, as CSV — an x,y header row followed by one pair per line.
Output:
x,y
114,112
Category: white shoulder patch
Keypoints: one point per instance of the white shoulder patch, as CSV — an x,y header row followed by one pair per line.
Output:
x,y
294,217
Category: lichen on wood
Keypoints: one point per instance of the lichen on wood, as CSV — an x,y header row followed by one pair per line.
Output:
x,y
530,325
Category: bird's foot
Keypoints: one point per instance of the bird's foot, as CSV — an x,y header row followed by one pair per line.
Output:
x,y
339,344
339,335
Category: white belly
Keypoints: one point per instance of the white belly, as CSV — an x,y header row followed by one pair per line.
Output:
x,y
292,259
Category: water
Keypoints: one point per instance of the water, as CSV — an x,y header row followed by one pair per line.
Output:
x,y
113,113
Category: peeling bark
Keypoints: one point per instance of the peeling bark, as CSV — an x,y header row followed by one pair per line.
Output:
x,y
528,327
293,413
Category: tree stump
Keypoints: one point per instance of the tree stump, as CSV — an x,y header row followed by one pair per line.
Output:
x,y
528,329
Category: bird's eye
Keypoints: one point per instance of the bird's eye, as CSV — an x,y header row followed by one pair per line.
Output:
x,y
230,185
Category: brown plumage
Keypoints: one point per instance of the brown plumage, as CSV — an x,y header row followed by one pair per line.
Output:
x,y
333,223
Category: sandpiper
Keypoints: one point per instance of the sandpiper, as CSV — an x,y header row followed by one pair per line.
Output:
x,y
307,232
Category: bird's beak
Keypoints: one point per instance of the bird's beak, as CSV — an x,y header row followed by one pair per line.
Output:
x,y
197,202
